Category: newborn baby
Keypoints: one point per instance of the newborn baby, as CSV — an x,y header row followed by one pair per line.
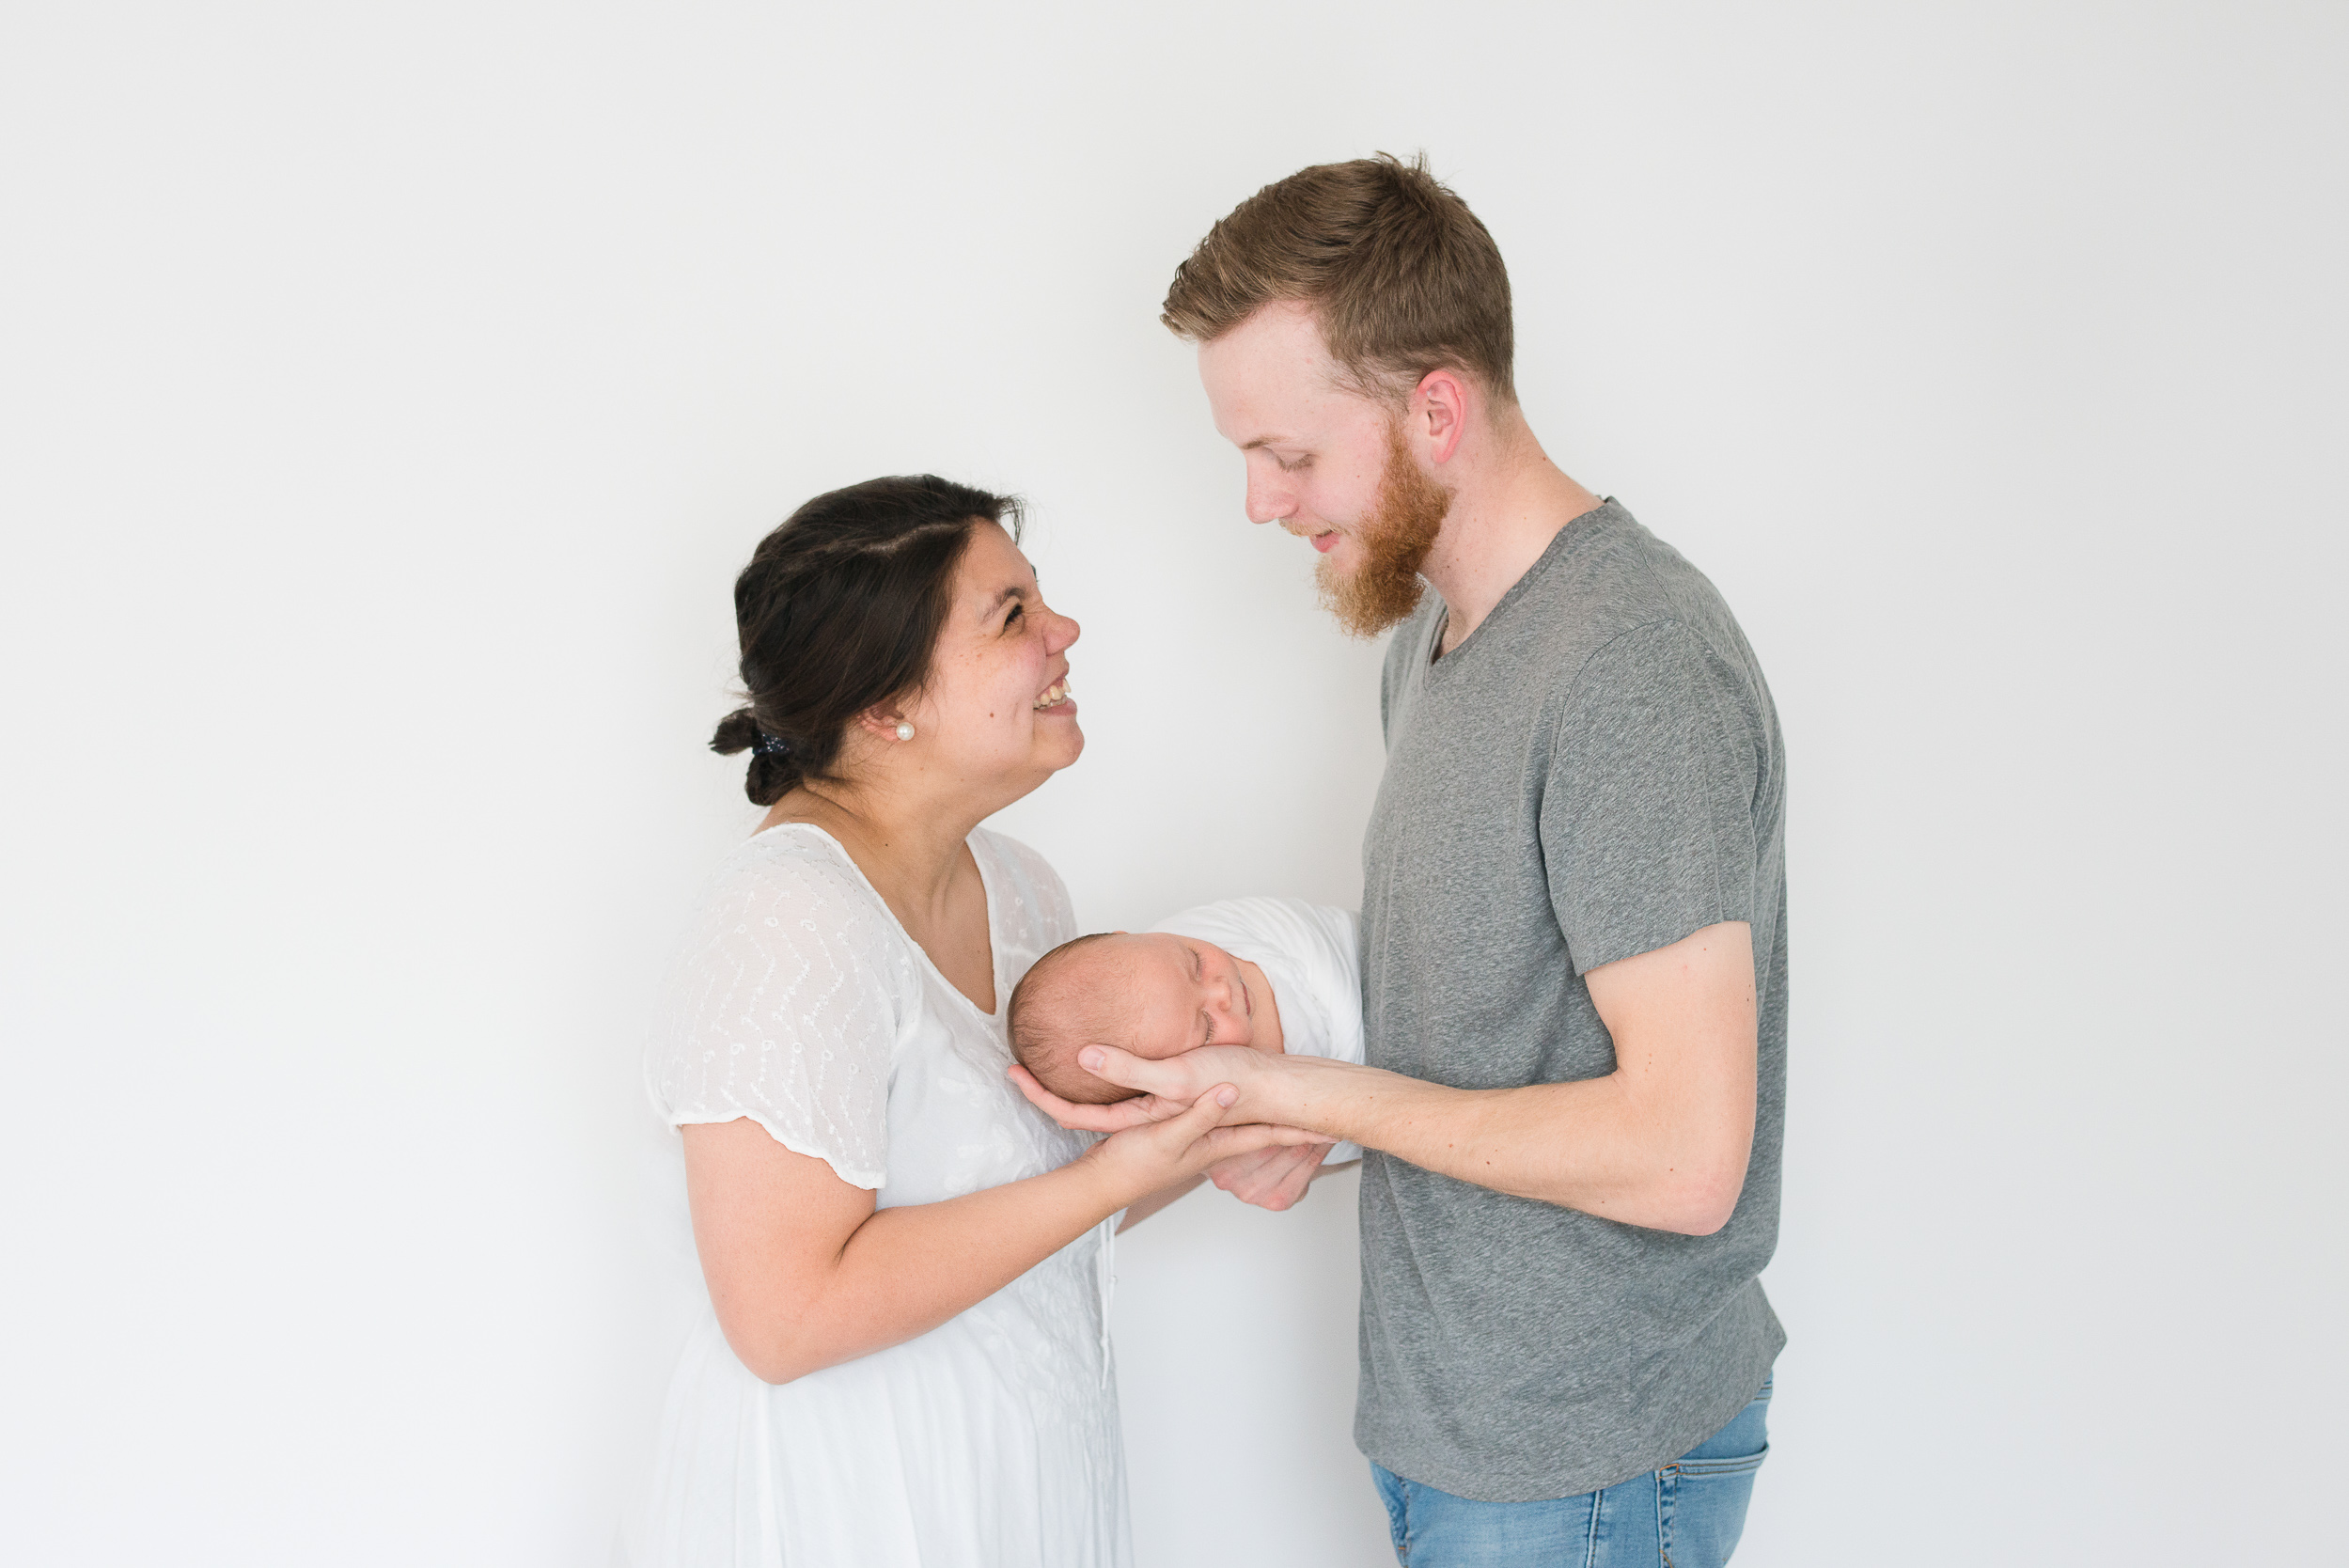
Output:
x,y
1277,975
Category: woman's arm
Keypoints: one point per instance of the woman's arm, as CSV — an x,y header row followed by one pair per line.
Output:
x,y
805,1273
1142,1208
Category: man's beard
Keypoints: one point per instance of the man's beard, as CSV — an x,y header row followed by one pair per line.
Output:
x,y
1395,538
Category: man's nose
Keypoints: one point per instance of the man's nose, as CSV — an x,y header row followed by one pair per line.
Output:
x,y
1268,503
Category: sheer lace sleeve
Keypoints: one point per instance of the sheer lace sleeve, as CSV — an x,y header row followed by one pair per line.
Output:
x,y
787,1005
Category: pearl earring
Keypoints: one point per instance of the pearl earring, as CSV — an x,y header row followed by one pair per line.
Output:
x,y
904,732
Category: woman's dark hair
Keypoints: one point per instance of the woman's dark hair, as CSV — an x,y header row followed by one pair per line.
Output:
x,y
839,610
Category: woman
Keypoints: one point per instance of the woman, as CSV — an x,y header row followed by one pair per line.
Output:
x,y
906,1359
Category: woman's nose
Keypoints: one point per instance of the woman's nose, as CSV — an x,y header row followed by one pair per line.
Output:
x,y
1065,630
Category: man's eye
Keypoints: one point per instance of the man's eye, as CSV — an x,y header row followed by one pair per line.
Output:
x,y
1287,467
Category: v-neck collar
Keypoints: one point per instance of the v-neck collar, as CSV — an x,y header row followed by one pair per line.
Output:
x,y
1561,543
986,882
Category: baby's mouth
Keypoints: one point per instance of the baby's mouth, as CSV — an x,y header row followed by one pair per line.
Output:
x,y
1054,694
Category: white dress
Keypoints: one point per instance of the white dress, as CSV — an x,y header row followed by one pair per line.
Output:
x,y
990,1442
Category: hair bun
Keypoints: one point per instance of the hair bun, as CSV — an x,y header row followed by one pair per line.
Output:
x,y
737,731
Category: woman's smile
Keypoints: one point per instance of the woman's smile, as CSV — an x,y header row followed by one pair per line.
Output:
x,y
1057,699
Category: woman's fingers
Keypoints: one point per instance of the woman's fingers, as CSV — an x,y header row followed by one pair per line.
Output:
x,y
1224,1142
1202,1117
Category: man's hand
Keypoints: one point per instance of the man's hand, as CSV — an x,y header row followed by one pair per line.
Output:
x,y
1170,1086
1138,1112
1273,1178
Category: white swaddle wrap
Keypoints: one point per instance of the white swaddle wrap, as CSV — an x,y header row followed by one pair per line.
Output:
x,y
1311,953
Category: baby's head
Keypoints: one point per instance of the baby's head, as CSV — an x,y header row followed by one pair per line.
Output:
x,y
1155,994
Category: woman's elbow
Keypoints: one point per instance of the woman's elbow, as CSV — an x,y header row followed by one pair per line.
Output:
x,y
775,1370
774,1358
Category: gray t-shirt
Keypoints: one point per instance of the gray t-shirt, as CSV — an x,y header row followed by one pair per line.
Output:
x,y
1594,774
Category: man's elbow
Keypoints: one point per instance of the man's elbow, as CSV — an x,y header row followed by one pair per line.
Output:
x,y
1699,1201
1702,1216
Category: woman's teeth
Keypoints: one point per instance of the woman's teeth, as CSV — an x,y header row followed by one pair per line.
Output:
x,y
1054,695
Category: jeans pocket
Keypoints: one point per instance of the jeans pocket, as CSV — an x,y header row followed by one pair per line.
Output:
x,y
1703,1505
1737,1465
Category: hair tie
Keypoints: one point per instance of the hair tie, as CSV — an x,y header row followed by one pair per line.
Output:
x,y
764,744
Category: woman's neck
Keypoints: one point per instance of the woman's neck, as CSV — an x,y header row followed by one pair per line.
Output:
x,y
912,857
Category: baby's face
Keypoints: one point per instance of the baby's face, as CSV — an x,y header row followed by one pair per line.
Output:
x,y
1185,993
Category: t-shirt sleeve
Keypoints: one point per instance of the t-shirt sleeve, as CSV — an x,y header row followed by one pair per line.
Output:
x,y
783,1007
1647,814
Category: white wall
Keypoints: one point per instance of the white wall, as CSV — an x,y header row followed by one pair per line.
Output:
x,y
387,395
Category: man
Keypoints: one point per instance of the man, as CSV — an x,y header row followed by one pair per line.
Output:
x,y
1573,909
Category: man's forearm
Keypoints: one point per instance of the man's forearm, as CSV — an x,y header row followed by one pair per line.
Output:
x,y
1591,1145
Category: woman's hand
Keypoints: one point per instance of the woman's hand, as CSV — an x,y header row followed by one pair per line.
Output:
x,y
1152,1155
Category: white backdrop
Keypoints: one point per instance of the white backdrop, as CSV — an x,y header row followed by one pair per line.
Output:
x,y
388,394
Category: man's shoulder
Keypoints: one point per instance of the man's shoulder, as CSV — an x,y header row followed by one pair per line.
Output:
x,y
1606,574
1616,583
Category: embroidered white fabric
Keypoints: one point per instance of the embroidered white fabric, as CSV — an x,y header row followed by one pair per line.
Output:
x,y
992,1440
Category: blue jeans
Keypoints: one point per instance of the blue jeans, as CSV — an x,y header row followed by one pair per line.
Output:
x,y
1688,1514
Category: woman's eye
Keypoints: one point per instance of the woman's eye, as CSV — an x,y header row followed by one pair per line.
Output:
x,y
1011,620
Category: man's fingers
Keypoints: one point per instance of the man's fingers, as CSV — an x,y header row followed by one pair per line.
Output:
x,y
1128,1070
1114,1118
1238,1174
1295,1182
1274,1177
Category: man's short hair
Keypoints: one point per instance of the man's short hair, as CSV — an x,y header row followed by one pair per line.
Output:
x,y
1404,278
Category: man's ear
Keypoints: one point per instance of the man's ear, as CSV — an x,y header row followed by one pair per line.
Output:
x,y
1439,410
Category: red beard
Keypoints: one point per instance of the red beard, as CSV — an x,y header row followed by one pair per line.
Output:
x,y
1396,538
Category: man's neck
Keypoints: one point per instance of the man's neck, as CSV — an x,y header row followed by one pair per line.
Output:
x,y
1509,501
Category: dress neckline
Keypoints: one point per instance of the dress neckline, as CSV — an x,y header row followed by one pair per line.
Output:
x,y
986,882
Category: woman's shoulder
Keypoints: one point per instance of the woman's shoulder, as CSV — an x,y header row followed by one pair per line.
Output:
x,y
793,887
